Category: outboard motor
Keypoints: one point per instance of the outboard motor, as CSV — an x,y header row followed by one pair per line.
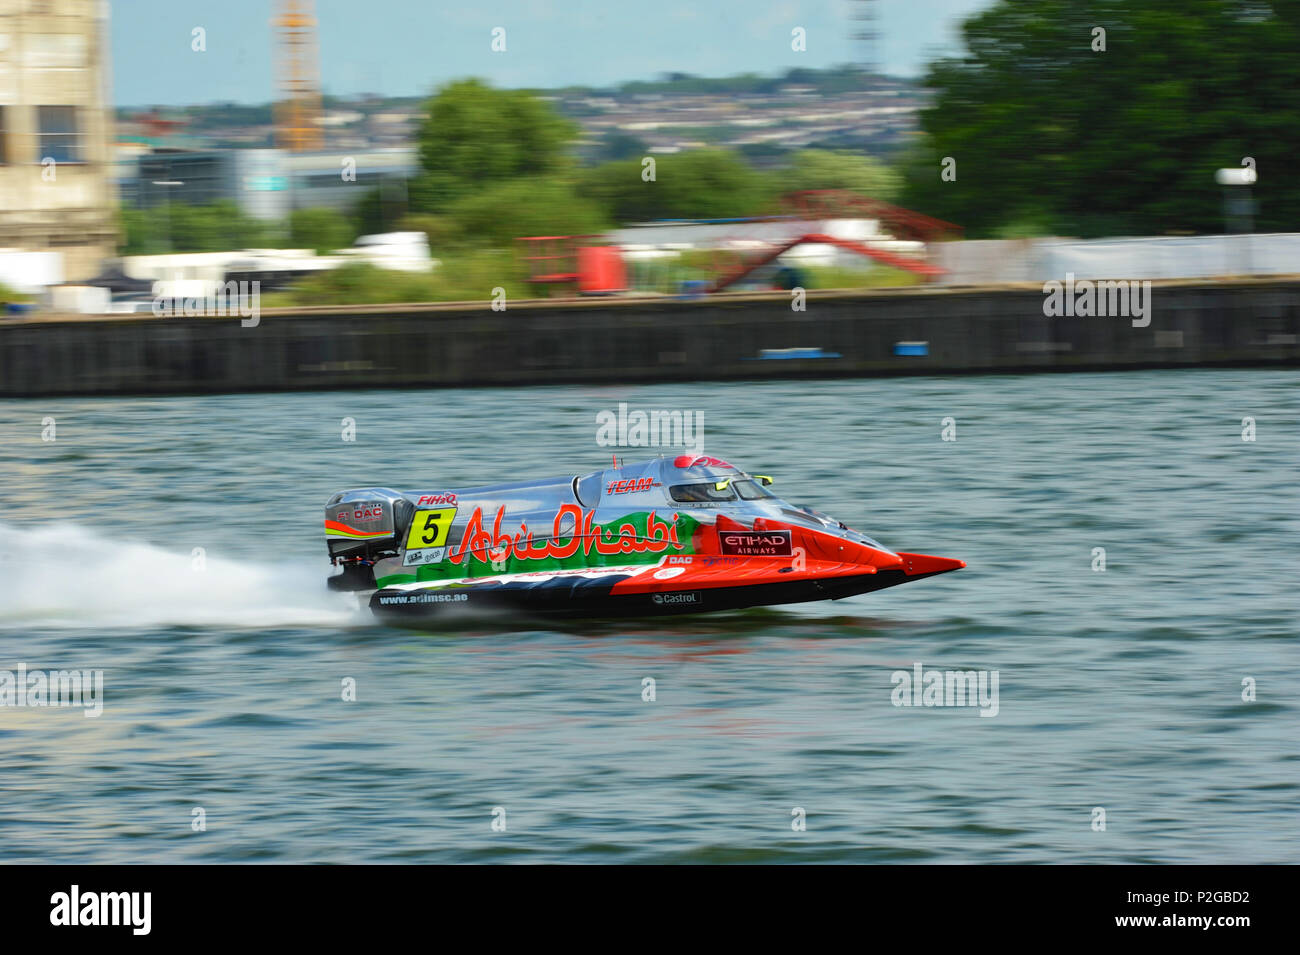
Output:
x,y
360,529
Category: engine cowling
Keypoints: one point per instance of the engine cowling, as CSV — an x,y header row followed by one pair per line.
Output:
x,y
362,524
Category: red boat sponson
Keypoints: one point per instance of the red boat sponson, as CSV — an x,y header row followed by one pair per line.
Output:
x,y
817,556
707,571
817,546
922,565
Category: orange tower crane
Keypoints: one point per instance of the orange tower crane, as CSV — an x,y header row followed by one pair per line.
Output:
x,y
298,110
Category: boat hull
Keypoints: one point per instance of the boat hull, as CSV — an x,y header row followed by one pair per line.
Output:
x,y
633,592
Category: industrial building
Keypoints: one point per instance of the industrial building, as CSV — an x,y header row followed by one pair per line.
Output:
x,y
265,183
56,173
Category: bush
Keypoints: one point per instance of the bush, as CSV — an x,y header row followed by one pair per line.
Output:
x,y
9,295
321,229
836,169
442,232
357,283
873,276
460,277
177,227
499,214
699,184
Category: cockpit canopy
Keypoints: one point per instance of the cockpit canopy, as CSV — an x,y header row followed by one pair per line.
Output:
x,y
685,479
727,489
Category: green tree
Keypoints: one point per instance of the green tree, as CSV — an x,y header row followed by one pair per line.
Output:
x,y
618,145
836,169
177,227
378,210
138,236
501,213
442,232
698,184
1047,131
321,229
473,135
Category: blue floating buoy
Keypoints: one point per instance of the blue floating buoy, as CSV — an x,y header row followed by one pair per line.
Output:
x,y
912,349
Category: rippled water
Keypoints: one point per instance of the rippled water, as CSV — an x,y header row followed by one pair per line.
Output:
x,y
1119,689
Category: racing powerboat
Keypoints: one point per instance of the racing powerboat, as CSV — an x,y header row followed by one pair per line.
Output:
x,y
665,536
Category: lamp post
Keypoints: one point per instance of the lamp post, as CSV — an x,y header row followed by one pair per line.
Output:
x,y
1238,207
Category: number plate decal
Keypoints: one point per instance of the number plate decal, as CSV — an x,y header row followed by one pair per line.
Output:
x,y
426,542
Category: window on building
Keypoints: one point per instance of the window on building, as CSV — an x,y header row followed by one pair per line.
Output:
x,y
60,139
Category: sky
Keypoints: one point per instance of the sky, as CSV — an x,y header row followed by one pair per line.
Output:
x,y
409,47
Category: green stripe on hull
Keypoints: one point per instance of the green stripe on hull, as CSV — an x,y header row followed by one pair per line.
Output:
x,y
472,566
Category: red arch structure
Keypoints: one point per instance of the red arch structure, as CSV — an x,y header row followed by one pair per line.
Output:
x,y
815,204
924,269
841,204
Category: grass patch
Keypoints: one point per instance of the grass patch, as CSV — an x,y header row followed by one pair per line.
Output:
x,y
461,277
878,276
9,295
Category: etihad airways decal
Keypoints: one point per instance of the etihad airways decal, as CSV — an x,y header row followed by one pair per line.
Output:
x,y
582,533
755,543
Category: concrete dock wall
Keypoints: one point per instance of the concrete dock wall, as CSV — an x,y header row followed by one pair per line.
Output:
x,y
965,330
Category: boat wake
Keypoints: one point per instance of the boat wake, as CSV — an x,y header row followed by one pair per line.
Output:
x,y
61,575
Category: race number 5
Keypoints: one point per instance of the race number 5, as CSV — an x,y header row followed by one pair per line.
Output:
x,y
430,528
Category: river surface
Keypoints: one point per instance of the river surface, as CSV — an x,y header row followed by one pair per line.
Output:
x,y
175,544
